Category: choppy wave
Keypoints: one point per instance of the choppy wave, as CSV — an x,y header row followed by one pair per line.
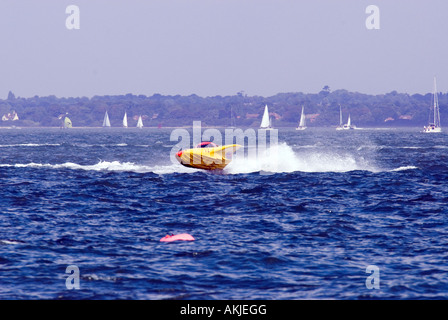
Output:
x,y
108,166
276,159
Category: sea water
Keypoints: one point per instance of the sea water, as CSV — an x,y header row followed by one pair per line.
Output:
x,y
309,219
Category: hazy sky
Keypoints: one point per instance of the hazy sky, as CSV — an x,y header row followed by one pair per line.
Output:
x,y
221,47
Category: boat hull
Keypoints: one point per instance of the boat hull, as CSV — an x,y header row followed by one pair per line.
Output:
x,y
216,158
432,129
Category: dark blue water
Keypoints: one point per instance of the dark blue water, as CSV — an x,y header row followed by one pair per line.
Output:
x,y
307,227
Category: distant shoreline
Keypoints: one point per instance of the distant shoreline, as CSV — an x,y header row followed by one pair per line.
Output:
x,y
322,109
203,127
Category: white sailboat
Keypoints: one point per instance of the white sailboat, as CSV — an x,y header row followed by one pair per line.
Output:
x,y
348,125
434,126
106,122
125,120
302,123
265,121
140,122
341,126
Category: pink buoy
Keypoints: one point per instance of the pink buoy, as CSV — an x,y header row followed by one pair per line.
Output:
x,y
182,236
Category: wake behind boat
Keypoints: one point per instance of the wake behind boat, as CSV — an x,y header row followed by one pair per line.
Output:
x,y
207,156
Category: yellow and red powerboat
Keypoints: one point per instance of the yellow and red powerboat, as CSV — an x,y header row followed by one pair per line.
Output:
x,y
207,156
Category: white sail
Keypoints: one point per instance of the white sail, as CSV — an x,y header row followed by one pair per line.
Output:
x,y
340,115
348,125
265,123
302,123
302,118
67,122
106,122
436,106
125,120
434,123
140,122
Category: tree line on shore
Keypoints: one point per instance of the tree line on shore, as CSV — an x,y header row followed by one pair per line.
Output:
x,y
322,109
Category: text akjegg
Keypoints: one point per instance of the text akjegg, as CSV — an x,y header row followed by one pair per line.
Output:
x,y
244,309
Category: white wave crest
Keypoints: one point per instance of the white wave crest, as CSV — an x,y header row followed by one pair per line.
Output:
x,y
10,242
108,166
100,166
405,168
29,145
